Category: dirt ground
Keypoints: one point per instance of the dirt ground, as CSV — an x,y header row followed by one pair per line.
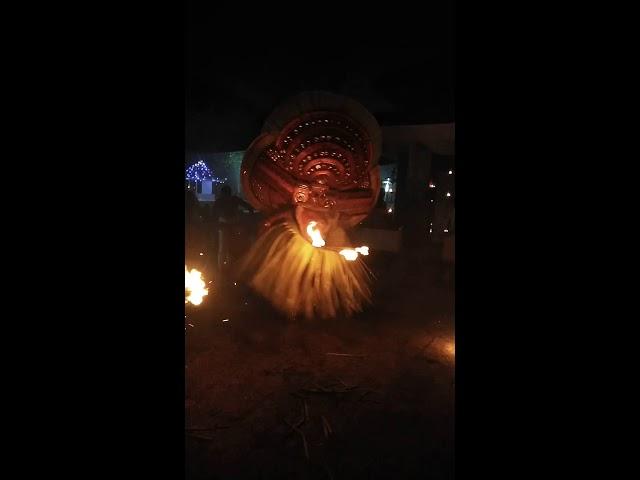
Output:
x,y
366,397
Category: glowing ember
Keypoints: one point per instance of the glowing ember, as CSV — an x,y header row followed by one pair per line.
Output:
x,y
451,348
316,238
194,286
351,254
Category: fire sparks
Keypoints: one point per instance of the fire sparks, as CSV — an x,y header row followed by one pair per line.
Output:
x,y
194,286
352,253
316,237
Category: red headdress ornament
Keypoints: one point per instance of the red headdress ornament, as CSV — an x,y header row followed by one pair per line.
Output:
x,y
319,152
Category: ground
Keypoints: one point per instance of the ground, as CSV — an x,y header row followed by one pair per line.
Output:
x,y
267,398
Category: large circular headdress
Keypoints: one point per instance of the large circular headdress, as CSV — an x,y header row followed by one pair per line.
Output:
x,y
318,151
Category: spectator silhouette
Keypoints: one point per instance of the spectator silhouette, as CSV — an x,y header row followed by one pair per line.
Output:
x,y
226,211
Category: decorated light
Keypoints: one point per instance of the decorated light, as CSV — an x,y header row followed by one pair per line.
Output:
x,y
199,171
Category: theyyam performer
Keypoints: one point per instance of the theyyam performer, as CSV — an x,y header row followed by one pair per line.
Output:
x,y
313,171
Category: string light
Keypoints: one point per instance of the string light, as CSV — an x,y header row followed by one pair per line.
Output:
x,y
448,194
199,172
450,172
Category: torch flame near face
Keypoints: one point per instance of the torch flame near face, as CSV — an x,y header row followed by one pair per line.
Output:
x,y
316,237
194,286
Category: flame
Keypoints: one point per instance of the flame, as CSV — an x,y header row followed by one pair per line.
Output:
x,y
351,254
317,241
194,286
316,238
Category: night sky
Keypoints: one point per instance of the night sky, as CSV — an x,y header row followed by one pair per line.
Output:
x,y
231,86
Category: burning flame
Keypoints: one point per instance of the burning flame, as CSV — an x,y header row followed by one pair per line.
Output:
x,y
194,286
317,241
349,254
352,254
316,238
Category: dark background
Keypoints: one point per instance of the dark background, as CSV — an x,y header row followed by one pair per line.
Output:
x,y
232,84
